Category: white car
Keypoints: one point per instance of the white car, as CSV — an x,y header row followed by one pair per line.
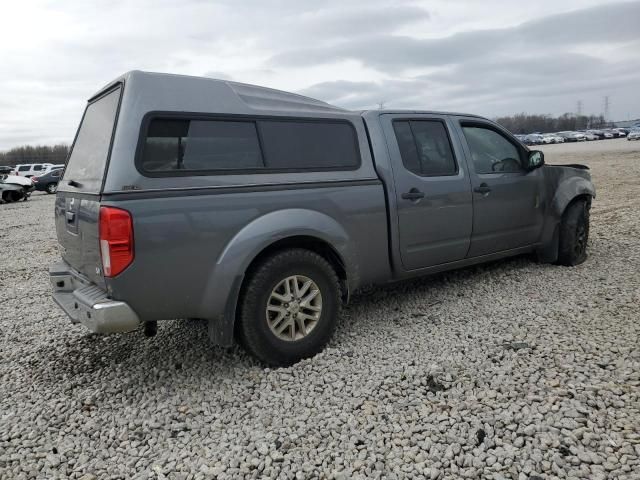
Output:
x,y
633,135
553,138
591,136
31,169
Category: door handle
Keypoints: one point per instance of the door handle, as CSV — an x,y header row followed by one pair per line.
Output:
x,y
70,217
483,189
413,195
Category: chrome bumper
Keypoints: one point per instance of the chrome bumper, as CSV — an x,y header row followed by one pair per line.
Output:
x,y
88,304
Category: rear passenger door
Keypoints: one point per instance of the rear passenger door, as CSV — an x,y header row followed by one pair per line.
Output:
x,y
432,188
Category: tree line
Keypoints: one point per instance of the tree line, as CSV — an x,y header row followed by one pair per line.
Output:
x,y
55,154
526,123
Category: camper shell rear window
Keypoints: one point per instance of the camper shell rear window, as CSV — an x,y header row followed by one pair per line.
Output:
x,y
88,158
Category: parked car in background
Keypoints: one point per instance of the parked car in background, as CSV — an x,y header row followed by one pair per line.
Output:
x,y
48,182
620,132
281,205
53,167
14,188
633,135
30,169
521,138
6,170
572,136
591,136
544,139
553,138
536,139
609,133
597,133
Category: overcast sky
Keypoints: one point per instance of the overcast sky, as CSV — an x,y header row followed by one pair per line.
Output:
x,y
490,57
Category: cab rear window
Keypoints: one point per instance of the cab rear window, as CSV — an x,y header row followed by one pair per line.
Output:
x,y
90,150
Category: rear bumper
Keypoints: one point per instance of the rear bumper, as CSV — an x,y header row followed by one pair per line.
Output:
x,y
88,304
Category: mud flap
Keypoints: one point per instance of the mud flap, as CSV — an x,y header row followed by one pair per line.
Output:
x,y
220,329
549,252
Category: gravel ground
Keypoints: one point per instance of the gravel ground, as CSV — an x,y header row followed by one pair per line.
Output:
x,y
508,370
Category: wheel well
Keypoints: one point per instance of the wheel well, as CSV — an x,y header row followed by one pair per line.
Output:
x,y
322,248
583,196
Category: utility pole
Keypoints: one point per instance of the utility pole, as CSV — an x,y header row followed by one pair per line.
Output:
x,y
579,108
607,104
381,105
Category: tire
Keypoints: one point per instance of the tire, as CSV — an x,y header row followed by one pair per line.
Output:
x,y
11,196
52,188
574,234
266,286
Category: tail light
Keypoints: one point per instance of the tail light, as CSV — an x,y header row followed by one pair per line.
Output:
x,y
34,179
116,240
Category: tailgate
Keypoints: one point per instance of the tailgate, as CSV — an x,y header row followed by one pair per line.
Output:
x,y
77,219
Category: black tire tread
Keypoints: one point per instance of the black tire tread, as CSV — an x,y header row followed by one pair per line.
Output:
x,y
577,211
248,336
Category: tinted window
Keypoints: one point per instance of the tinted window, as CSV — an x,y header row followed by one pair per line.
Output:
x,y
37,167
91,148
201,145
425,148
308,145
491,152
55,173
24,168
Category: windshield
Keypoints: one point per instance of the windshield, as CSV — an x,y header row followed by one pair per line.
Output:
x,y
88,158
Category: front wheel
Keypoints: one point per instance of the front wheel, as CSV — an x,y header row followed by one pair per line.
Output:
x,y
52,187
289,307
574,234
11,196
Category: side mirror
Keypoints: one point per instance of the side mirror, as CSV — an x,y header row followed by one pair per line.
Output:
x,y
536,159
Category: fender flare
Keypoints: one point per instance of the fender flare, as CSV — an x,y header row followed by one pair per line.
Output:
x,y
220,295
566,192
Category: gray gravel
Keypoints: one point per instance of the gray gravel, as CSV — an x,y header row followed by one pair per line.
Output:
x,y
510,370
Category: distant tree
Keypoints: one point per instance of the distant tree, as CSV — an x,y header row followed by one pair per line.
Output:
x,y
527,123
35,154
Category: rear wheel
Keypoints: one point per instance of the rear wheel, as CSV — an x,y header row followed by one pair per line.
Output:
x,y
52,187
574,234
289,307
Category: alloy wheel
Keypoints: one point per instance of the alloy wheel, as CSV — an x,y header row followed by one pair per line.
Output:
x,y
294,308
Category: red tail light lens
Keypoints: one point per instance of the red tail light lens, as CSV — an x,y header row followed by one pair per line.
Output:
x,y
116,240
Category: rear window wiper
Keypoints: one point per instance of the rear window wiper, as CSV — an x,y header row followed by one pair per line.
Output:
x,y
73,183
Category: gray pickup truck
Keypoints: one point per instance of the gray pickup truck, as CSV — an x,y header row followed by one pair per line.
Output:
x,y
261,211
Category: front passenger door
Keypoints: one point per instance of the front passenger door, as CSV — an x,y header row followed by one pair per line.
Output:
x,y
508,208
